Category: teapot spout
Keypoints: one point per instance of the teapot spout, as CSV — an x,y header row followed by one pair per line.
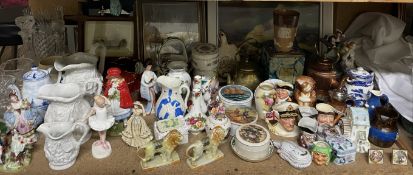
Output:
x,y
335,84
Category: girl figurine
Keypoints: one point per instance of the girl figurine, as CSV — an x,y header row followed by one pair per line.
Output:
x,y
137,133
101,121
148,89
117,91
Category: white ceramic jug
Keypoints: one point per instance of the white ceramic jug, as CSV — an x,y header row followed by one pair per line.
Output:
x,y
170,104
60,147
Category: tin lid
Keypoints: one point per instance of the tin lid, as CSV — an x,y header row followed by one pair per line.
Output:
x,y
341,145
204,51
253,135
35,74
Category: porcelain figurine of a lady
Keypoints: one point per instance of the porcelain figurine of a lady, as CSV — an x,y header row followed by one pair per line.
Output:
x,y
101,121
148,89
137,133
22,121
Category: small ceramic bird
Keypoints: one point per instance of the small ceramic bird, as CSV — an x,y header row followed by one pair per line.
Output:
x,y
226,51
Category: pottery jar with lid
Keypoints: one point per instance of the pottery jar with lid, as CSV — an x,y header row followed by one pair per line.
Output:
x,y
32,81
358,85
252,143
323,71
205,59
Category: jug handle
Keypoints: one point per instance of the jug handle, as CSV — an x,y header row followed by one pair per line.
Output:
x,y
49,70
85,129
184,86
188,149
59,76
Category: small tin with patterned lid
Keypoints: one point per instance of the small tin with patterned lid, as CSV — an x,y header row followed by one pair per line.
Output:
x,y
344,150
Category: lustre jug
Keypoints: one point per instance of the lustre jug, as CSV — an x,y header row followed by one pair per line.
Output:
x,y
377,99
61,147
171,104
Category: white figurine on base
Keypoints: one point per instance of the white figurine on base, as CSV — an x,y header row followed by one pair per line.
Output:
x,y
101,121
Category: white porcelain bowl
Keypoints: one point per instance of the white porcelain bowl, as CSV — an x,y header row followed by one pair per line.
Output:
x,y
252,142
236,100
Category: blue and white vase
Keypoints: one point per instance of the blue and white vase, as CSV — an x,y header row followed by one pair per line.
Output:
x,y
170,103
358,85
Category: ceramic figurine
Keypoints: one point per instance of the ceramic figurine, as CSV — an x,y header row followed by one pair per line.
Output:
x,y
60,147
327,115
358,85
308,127
282,92
282,120
22,120
67,104
297,156
161,153
137,133
163,127
321,152
148,89
117,91
305,91
227,57
206,150
360,126
347,55
32,81
100,120
344,150
170,103
376,156
399,157
195,118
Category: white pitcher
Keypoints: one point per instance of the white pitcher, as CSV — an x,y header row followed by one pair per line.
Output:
x,y
80,68
170,104
60,147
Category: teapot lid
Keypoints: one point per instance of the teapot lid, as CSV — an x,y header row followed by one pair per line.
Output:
x,y
35,74
359,72
219,119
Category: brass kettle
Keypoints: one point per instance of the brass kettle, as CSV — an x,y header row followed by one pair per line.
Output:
x,y
246,74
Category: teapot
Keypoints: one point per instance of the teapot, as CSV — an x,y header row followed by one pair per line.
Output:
x,y
32,81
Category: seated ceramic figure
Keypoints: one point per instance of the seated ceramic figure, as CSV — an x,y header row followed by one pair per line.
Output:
x,y
101,121
137,133
305,91
161,152
206,150
282,120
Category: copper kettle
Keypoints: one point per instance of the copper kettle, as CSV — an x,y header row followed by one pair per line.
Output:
x,y
323,71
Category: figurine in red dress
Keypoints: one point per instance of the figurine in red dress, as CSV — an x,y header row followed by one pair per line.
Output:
x,y
117,91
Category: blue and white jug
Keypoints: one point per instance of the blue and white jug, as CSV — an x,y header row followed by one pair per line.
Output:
x,y
32,81
171,104
358,85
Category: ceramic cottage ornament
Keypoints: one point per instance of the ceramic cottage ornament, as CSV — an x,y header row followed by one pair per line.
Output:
x,y
148,89
305,91
117,91
359,129
206,150
170,103
297,156
162,152
100,120
137,133
22,121
282,120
